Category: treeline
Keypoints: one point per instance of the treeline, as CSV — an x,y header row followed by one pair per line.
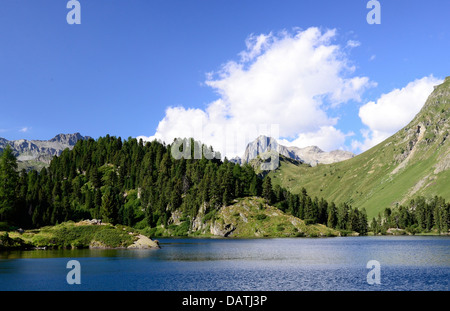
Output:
x,y
314,210
126,182
141,184
420,215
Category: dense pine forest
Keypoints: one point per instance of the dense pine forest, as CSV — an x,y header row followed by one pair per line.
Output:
x,y
140,185
420,215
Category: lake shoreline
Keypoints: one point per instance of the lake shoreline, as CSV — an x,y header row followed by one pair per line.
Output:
x,y
155,244
90,234
80,235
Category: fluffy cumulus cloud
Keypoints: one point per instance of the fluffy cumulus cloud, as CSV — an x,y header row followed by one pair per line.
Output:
x,y
283,85
392,111
327,137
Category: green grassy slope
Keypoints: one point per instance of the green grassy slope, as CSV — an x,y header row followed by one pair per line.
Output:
x,y
252,217
73,235
414,161
248,217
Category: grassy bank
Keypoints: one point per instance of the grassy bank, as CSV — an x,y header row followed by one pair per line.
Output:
x,y
71,235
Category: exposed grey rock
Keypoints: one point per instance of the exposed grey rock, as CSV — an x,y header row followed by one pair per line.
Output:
x,y
312,155
236,160
41,151
144,242
220,229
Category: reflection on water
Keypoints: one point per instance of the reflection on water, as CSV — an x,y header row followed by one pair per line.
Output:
x,y
71,253
407,263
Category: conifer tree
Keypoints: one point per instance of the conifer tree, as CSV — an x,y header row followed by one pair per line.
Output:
x,y
8,181
332,215
109,207
267,193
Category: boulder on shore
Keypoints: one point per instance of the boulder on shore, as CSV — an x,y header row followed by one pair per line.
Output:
x,y
144,242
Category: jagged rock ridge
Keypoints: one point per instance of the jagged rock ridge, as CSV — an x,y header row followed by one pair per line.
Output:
x,y
39,153
312,155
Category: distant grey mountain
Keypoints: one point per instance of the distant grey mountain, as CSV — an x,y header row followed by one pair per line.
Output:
x,y
263,144
39,153
312,155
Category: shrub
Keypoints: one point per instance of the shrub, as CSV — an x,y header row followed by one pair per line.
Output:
x,y
261,216
152,232
309,221
280,227
6,242
141,224
210,215
181,229
113,238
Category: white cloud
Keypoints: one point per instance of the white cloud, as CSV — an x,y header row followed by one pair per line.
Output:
x,y
255,45
289,80
24,129
353,43
327,137
393,111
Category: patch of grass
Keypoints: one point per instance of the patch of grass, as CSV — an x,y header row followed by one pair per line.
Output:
x,y
71,235
280,227
261,217
113,238
269,222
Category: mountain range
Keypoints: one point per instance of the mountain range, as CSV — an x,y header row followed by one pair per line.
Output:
x,y
311,155
39,153
413,162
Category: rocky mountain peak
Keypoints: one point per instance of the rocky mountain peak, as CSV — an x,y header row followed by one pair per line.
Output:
x,y
38,153
312,155
68,139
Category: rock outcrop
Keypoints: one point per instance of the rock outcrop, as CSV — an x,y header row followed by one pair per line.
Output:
x,y
311,155
144,242
39,153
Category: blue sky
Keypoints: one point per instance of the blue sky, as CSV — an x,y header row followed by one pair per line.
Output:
x,y
128,62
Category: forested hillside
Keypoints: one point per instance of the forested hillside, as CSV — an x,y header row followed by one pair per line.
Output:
x,y
122,182
142,185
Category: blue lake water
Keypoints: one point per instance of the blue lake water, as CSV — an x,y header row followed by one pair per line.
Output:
x,y
297,264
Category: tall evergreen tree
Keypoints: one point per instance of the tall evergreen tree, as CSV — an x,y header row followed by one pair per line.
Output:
x,y
8,181
109,207
267,193
332,215
342,216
